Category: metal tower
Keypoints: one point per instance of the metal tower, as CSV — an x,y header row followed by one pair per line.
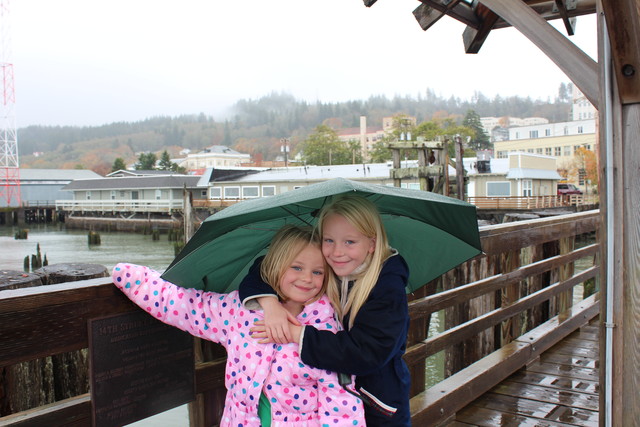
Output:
x,y
9,165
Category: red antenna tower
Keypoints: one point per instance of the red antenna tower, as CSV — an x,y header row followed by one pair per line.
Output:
x,y
9,165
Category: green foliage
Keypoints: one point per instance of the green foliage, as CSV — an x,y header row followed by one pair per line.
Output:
x,y
165,163
146,162
479,139
323,147
118,164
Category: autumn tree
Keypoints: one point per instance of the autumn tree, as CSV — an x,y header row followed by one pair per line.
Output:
x,y
584,166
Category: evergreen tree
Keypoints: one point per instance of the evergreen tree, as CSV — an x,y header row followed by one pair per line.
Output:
x,y
479,138
118,164
146,161
165,162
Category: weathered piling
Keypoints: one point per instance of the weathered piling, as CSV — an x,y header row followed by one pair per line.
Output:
x,y
42,381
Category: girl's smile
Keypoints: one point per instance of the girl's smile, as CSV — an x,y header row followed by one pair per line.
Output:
x,y
343,246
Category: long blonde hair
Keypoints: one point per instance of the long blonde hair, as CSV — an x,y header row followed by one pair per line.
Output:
x,y
285,245
364,216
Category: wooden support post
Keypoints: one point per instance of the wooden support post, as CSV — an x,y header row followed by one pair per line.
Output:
x,y
459,169
395,155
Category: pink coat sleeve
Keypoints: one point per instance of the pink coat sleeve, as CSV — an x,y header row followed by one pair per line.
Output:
x,y
190,310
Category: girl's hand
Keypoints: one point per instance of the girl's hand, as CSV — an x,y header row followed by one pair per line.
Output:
x,y
277,321
259,331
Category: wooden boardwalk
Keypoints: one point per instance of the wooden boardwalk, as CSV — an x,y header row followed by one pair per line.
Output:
x,y
559,389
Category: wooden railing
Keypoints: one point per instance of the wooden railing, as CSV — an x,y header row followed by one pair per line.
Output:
x,y
534,202
502,309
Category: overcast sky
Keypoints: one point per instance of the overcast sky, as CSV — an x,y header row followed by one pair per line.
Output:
x,y
89,62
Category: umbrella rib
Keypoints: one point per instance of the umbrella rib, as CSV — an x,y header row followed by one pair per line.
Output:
x,y
295,215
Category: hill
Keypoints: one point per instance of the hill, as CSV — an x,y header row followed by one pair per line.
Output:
x,y
253,126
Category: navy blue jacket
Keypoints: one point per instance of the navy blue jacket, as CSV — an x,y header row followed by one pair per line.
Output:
x,y
371,349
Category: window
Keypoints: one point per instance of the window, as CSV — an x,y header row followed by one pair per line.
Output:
x,y
502,154
231,192
527,188
113,194
538,150
122,194
547,151
88,195
498,189
547,132
215,192
203,193
158,194
250,192
580,129
567,150
268,190
566,130
533,134
530,150
557,151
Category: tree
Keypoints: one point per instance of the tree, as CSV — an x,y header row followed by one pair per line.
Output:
x,y
146,161
479,139
584,166
165,162
118,164
323,147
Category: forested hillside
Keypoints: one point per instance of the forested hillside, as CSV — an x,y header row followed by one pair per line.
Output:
x,y
253,126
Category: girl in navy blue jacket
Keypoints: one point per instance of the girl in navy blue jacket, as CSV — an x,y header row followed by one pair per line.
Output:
x,y
368,294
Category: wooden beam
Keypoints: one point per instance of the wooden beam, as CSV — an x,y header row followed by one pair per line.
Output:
x,y
577,65
623,26
473,38
456,9
562,10
427,16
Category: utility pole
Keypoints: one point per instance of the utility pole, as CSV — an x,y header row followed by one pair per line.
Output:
x,y
9,165
284,148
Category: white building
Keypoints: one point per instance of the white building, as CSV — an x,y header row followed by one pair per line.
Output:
x,y
213,157
576,127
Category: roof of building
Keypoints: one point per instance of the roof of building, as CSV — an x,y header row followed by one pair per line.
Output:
x,y
146,172
134,182
314,173
221,149
56,174
524,173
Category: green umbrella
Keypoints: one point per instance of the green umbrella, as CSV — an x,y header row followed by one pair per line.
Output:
x,y
432,232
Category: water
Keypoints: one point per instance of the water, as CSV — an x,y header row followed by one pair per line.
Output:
x,y
71,246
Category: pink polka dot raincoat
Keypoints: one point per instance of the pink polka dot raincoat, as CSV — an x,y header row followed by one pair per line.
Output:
x,y
300,395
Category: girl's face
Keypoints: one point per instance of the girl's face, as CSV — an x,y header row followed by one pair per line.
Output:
x,y
343,246
303,279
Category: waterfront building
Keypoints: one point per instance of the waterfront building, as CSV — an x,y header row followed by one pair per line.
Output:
x,y
42,187
519,174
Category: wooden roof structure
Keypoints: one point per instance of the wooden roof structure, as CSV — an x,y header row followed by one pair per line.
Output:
x,y
612,85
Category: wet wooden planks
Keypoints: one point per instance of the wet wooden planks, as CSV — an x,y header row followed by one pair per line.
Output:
x,y
559,389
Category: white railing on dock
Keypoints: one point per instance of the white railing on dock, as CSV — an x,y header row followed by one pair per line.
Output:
x,y
140,205
534,202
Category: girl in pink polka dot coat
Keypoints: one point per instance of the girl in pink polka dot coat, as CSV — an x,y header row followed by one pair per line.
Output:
x,y
260,378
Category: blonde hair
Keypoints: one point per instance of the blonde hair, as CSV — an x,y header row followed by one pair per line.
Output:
x,y
285,245
364,216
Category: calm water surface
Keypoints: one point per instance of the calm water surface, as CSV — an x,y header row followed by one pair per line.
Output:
x,y
65,246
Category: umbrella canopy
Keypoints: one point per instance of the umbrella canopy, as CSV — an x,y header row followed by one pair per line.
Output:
x,y
432,232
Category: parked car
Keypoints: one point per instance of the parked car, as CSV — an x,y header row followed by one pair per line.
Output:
x,y
566,189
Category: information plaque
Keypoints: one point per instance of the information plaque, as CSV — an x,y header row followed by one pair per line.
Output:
x,y
139,367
